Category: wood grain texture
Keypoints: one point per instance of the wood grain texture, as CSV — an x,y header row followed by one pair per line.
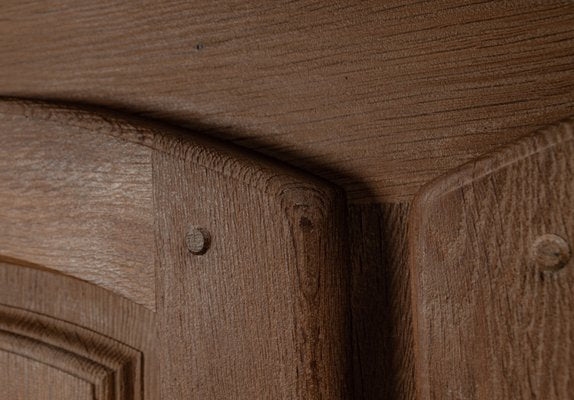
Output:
x,y
381,299
76,199
264,313
111,370
378,97
489,323
25,379
62,331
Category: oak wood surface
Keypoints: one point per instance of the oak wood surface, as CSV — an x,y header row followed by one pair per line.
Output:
x,y
378,97
490,323
63,331
75,201
264,312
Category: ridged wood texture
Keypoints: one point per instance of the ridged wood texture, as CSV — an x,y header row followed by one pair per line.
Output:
x,y
75,199
62,338
107,369
25,379
376,96
489,323
264,313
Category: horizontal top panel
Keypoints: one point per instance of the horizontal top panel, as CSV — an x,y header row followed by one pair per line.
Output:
x,y
379,97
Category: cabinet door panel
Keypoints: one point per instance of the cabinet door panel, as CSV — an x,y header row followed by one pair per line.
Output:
x,y
100,264
71,338
494,277
27,379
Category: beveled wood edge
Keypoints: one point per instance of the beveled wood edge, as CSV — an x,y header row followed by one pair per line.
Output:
x,y
90,292
99,360
290,188
256,170
544,139
126,356
96,376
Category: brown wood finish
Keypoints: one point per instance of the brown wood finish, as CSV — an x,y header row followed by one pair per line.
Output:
x,y
490,323
23,379
382,341
377,97
263,313
60,330
76,202
111,370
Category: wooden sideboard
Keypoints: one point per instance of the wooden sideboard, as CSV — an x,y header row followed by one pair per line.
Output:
x,y
298,200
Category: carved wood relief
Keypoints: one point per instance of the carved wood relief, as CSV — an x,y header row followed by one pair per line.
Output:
x,y
67,337
111,370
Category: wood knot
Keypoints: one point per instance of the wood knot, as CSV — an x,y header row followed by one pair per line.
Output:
x,y
197,240
305,224
550,252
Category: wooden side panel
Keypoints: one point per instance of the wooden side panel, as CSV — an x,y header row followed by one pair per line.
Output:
x,y
76,199
264,312
492,322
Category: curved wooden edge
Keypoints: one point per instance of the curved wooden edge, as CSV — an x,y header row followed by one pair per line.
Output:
x,y
79,328
274,284
112,368
544,139
266,308
76,201
547,139
246,166
288,185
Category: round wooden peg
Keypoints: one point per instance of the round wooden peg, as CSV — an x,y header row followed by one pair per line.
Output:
x,y
551,252
197,240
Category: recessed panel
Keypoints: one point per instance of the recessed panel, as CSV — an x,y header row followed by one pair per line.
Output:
x,y
22,378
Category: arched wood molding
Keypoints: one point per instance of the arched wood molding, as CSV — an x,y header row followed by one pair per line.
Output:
x,y
66,338
113,370
264,313
489,322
